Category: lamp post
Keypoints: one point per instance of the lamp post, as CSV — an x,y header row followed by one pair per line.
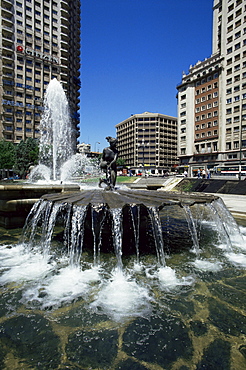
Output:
x,y
97,142
143,145
240,142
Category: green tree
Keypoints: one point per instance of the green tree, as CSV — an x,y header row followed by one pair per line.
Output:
x,y
120,162
26,156
7,155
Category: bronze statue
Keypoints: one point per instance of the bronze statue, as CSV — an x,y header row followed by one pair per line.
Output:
x,y
108,164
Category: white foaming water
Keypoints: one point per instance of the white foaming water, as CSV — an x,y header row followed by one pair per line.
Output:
x,y
237,259
21,265
168,279
70,283
205,265
122,297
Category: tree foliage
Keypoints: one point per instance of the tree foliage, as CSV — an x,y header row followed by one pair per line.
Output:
x,y
7,155
26,156
120,162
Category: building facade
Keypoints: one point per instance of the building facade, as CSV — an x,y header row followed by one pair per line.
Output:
x,y
39,41
148,141
212,97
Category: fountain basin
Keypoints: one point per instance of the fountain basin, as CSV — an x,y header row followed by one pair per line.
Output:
x,y
16,201
121,222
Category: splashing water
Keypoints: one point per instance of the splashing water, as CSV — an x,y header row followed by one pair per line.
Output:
x,y
122,297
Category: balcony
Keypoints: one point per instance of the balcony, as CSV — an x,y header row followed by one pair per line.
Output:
x,y
7,10
8,18
7,46
7,56
64,5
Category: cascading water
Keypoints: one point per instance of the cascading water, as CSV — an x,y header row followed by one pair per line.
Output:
x,y
93,274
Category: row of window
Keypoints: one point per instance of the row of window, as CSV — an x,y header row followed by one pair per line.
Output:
x,y
236,89
236,78
236,129
235,119
236,99
208,97
20,129
236,46
206,125
208,115
236,36
208,106
38,47
236,58
37,4
207,134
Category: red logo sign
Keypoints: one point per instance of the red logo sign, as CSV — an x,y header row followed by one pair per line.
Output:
x,y
19,48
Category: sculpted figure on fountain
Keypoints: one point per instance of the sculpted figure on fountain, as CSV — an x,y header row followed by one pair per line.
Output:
x,y
108,163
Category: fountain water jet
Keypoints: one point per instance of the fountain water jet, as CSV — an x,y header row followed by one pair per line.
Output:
x,y
57,158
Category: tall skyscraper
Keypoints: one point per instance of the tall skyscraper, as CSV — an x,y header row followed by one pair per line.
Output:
x,y
39,41
212,97
148,141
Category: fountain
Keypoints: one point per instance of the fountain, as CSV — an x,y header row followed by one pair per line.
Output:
x,y
123,279
58,162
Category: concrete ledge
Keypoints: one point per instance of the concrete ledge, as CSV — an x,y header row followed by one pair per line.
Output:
x,y
16,200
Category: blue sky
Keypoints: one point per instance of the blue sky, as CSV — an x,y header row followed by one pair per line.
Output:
x,y
133,53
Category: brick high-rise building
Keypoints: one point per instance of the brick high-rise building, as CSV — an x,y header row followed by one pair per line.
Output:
x,y
212,97
39,41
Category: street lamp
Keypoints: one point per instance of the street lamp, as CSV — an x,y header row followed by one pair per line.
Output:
x,y
97,142
143,145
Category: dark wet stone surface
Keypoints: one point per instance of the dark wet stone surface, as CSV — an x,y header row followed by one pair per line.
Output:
x,y
238,282
162,339
181,305
130,365
9,302
95,349
216,356
2,356
32,339
199,328
79,315
229,295
227,320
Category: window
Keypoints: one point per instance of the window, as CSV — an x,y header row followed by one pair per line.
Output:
x,y
237,35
